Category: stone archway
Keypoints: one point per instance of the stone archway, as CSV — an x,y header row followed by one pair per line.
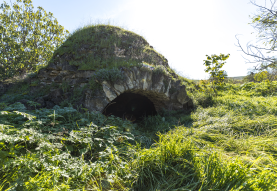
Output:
x,y
143,70
163,92
130,106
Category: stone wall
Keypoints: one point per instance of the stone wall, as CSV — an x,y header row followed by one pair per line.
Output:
x,y
160,89
78,60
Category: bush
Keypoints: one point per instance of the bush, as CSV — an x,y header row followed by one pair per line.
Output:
x,y
111,75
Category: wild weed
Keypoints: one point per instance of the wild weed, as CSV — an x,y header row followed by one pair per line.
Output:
x,y
228,143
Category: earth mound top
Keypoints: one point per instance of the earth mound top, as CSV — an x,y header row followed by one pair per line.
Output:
x,y
96,47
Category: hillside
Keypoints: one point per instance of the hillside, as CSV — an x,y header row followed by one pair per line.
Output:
x,y
95,47
100,109
227,143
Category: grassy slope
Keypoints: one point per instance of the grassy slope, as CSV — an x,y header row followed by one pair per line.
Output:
x,y
229,144
95,47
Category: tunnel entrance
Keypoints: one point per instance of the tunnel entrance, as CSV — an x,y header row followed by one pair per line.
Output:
x,y
130,106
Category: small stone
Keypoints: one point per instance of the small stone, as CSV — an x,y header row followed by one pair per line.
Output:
x,y
182,96
119,88
108,91
54,73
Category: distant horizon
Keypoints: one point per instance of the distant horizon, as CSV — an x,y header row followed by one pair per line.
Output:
x,y
226,77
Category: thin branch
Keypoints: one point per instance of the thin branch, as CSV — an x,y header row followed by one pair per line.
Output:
x,y
250,52
266,27
261,7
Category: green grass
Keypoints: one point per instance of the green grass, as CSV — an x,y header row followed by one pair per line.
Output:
x,y
227,142
103,46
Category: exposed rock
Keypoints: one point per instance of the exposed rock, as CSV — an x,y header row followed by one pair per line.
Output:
x,y
120,88
54,73
182,96
58,79
136,81
109,91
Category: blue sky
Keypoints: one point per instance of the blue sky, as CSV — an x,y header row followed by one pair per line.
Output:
x,y
184,31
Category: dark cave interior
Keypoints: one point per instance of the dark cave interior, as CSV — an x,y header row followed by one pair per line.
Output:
x,y
130,106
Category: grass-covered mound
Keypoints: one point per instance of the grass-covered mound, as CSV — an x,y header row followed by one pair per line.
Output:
x,y
96,47
227,143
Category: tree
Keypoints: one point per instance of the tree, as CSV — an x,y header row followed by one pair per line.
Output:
x,y
264,51
213,65
261,76
28,38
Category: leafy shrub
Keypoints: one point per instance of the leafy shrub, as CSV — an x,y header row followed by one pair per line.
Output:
x,y
158,70
3,105
213,65
68,154
202,99
15,107
261,76
94,86
111,75
65,86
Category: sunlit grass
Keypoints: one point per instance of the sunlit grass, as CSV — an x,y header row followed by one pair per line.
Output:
x,y
227,143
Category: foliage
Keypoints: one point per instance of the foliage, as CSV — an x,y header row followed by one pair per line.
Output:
x,y
261,76
65,86
227,142
160,70
53,143
111,75
16,106
200,92
27,44
264,22
33,104
213,65
269,74
229,145
177,162
94,86
249,77
100,46
3,105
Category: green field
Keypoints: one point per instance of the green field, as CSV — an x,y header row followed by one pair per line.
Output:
x,y
227,142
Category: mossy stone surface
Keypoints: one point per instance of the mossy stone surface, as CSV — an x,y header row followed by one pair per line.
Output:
x,y
104,46
101,62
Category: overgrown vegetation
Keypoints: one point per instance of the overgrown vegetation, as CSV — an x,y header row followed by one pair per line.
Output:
x,y
28,38
213,64
100,46
111,75
227,143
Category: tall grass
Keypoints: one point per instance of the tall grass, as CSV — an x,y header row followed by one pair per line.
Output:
x,y
227,142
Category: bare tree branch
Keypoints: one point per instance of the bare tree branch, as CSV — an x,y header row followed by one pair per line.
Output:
x,y
265,23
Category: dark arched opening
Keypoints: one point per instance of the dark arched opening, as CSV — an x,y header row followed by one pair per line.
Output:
x,y
130,106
